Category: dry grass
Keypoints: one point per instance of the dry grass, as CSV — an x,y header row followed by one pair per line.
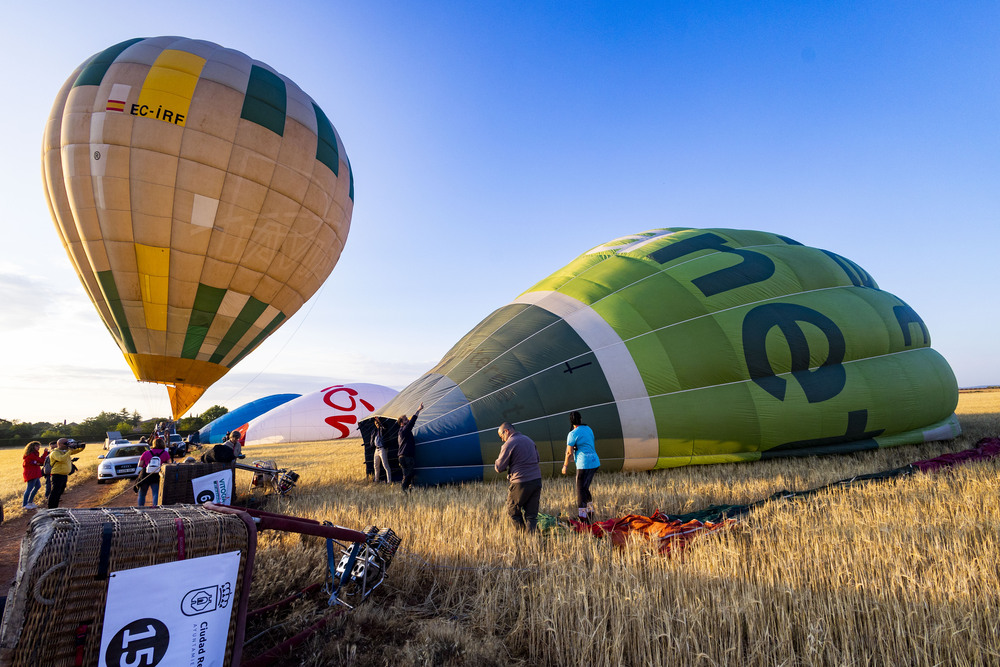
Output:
x,y
897,572
889,573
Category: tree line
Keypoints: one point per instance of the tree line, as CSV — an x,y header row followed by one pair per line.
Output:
x,y
94,429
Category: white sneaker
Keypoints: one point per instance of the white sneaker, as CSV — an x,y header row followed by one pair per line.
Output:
x,y
31,506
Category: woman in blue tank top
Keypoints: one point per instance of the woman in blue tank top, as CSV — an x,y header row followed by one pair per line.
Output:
x,y
580,447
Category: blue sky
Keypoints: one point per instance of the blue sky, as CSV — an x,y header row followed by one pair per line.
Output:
x,y
493,142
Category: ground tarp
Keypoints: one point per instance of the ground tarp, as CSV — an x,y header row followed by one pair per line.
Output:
x,y
670,532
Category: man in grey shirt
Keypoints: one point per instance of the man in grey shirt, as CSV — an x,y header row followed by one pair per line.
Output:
x,y
519,458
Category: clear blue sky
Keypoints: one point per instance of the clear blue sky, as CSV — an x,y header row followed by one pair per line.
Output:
x,y
493,142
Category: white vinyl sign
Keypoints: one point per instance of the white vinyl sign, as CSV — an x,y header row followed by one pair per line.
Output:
x,y
170,614
214,488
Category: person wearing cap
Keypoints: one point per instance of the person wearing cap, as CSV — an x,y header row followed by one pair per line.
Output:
x,y
62,466
519,458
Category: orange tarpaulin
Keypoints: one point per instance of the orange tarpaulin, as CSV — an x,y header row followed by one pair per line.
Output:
x,y
666,533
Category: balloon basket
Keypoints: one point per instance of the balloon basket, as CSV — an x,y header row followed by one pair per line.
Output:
x,y
81,570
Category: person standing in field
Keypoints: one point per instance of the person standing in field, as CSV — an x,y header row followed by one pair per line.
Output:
x,y
32,468
407,447
519,458
580,442
149,469
62,466
381,453
47,471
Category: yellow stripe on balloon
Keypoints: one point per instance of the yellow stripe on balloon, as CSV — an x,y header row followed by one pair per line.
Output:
x,y
154,270
166,93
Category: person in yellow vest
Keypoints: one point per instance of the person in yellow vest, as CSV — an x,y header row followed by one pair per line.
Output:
x,y
62,466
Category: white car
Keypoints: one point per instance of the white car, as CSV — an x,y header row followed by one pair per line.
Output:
x,y
111,444
121,462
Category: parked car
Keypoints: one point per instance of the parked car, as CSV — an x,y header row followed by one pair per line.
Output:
x,y
114,438
121,462
176,446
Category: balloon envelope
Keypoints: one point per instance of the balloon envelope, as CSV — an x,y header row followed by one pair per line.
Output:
x,y
331,413
215,431
687,346
202,198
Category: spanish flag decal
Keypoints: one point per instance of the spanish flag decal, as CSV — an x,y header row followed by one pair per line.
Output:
x,y
118,97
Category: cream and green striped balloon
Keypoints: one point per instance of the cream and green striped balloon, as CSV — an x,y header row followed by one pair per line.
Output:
x,y
201,196
687,346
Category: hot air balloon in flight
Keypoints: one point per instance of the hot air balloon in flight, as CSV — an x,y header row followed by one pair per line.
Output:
x,y
687,346
202,198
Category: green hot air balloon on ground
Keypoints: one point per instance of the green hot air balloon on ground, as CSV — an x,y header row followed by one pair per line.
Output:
x,y
687,346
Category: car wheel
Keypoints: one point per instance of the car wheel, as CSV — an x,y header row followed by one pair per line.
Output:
x,y
100,481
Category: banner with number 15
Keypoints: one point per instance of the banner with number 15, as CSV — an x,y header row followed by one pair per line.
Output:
x,y
170,614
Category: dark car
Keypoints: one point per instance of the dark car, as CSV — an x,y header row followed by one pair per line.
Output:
x,y
176,446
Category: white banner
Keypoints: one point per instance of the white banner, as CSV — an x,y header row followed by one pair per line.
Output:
x,y
214,488
170,614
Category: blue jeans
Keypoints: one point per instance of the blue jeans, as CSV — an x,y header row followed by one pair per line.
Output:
x,y
29,493
155,486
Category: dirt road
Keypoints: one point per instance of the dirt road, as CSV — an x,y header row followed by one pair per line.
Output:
x,y
90,494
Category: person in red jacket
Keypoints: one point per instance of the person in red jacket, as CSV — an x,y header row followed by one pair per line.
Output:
x,y
32,464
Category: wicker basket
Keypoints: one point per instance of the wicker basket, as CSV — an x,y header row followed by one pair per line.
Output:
x,y
62,578
175,480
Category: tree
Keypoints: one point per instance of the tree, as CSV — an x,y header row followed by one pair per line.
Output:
x,y
190,424
54,433
16,429
124,427
213,413
147,425
104,422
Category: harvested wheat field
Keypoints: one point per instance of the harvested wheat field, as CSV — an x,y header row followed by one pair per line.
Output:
x,y
903,571
897,572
